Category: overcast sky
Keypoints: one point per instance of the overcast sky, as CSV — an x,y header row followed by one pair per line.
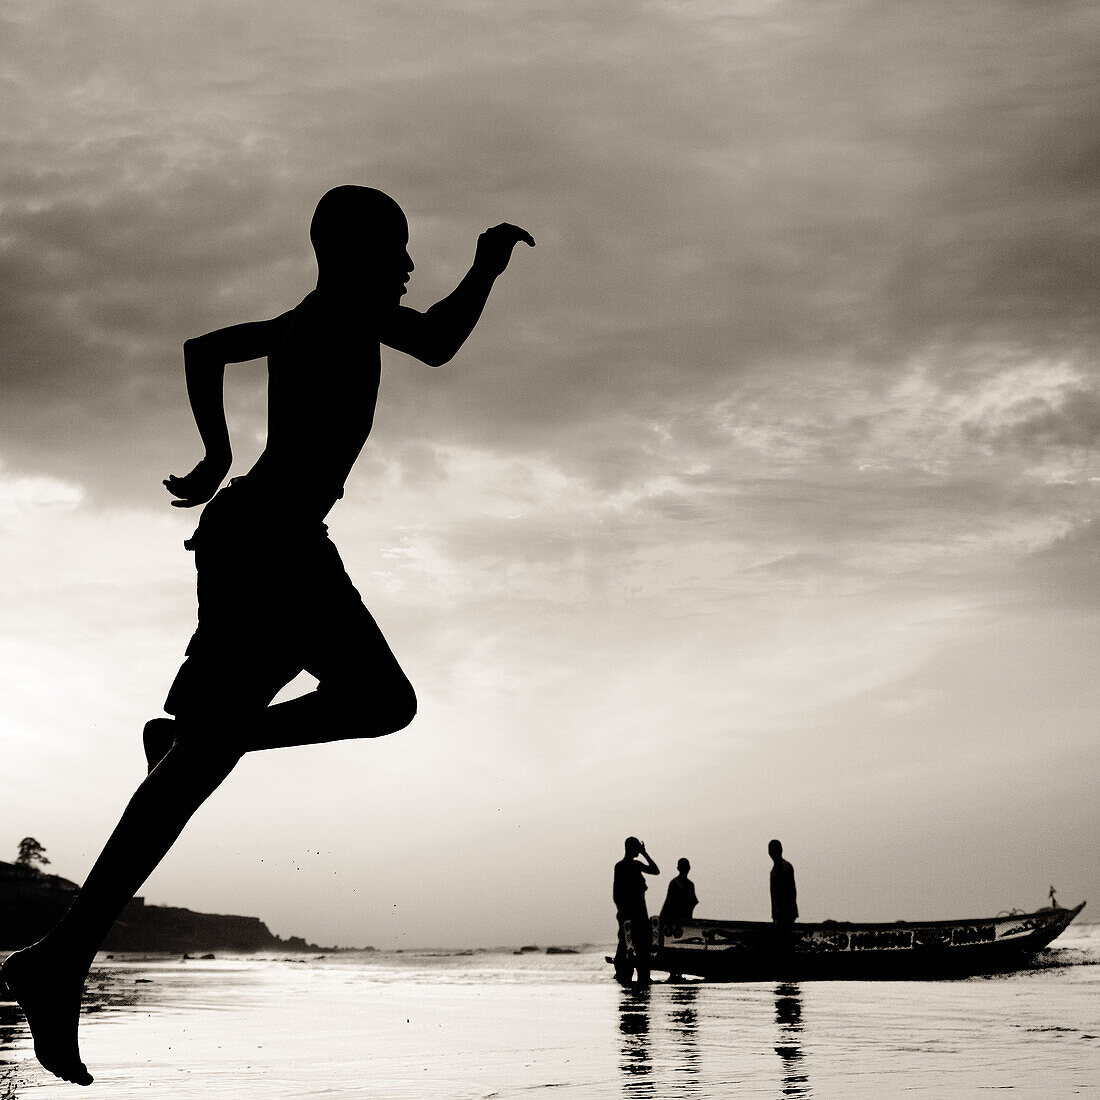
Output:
x,y
762,502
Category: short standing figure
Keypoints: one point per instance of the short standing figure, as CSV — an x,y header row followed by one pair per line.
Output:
x,y
680,903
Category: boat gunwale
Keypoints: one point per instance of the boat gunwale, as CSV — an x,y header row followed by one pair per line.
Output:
x,y
798,927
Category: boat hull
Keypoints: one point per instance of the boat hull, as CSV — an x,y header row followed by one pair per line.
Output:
x,y
750,950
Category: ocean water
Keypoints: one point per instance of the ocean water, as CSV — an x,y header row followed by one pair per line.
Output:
x,y
496,1025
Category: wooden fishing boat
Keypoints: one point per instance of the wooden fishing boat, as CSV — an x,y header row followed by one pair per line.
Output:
x,y
754,950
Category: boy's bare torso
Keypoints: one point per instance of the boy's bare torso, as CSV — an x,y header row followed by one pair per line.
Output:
x,y
323,375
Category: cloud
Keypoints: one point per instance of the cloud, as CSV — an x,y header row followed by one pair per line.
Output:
x,y
1068,418
716,198
1066,572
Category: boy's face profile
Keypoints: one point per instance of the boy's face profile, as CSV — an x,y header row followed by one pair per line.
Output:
x,y
376,257
361,238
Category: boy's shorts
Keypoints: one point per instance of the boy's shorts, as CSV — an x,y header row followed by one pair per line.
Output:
x,y
274,600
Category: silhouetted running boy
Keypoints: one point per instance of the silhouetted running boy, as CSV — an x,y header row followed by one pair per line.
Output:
x,y
273,595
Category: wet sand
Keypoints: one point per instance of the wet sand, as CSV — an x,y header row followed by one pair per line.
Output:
x,y
495,1025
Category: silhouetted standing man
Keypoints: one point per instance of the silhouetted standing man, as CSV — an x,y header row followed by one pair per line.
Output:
x,y
628,892
273,595
784,893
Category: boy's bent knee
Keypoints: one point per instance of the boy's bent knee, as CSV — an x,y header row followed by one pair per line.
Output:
x,y
402,710
389,713
372,713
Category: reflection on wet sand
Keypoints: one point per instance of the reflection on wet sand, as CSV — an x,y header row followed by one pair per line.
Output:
x,y
635,1062
10,1019
788,1015
661,1053
678,1064
684,1020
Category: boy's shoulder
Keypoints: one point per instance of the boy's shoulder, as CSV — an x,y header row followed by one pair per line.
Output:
x,y
317,317
312,323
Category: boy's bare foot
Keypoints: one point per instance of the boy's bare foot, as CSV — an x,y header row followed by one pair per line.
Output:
x,y
158,737
49,995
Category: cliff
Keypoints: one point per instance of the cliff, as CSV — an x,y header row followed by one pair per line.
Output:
x,y
31,902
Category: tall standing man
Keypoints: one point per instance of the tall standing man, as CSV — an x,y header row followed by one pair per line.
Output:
x,y
783,890
628,893
273,595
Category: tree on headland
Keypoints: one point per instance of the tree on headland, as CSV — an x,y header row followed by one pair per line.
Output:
x,y
31,854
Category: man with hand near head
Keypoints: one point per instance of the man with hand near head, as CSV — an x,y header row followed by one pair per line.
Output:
x,y
628,893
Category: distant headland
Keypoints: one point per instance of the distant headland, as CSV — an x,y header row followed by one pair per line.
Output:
x,y
31,902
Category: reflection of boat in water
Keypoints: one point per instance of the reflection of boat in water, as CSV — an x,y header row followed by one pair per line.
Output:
x,y
755,950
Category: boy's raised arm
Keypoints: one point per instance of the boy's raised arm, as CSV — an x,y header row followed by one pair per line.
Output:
x,y
434,337
204,360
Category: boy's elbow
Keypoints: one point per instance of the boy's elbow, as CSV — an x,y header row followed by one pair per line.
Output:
x,y
195,347
202,351
438,357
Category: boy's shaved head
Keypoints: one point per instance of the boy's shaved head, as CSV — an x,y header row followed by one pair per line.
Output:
x,y
361,238
351,216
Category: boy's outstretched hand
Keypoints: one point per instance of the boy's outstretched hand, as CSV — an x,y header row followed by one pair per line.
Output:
x,y
199,485
494,247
